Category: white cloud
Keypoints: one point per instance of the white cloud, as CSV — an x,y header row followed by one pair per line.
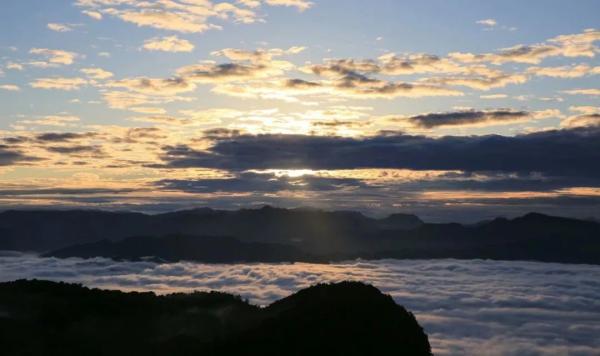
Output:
x,y
168,44
97,73
59,83
10,87
488,22
55,56
590,92
299,4
93,14
504,308
59,27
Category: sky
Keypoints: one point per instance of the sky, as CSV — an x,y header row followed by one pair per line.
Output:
x,y
453,110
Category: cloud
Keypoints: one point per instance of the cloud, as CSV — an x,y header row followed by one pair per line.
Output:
x,y
138,102
14,66
61,136
51,120
93,14
494,96
554,153
154,86
475,118
59,83
574,45
590,92
184,16
229,72
58,27
575,71
586,120
168,44
55,56
259,182
299,4
10,87
488,22
506,308
10,156
96,73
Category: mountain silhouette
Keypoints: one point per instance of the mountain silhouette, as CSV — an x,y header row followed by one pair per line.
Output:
x,y
348,318
278,235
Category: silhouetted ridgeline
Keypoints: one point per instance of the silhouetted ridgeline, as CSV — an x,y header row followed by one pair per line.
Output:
x,y
272,235
349,318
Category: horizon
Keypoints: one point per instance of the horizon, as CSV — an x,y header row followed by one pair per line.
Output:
x,y
299,208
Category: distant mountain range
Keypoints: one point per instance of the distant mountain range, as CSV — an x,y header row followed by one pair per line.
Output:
x,y
273,235
348,318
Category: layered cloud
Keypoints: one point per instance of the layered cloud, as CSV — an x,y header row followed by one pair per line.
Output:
x,y
562,152
476,118
506,308
59,83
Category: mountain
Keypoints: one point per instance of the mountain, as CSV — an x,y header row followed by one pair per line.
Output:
x,y
336,231
348,318
276,235
175,248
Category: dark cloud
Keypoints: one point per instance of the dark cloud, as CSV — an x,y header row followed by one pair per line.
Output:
x,y
572,153
255,182
9,156
301,84
63,191
468,117
74,149
62,136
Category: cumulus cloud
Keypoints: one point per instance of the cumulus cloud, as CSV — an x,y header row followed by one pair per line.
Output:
x,y
504,308
573,45
582,121
54,56
589,116
182,15
97,73
168,44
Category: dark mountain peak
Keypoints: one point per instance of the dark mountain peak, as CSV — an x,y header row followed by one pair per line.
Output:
x,y
339,319
312,311
333,293
537,216
400,221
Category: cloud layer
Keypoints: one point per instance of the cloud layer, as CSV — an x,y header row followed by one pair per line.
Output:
x,y
504,308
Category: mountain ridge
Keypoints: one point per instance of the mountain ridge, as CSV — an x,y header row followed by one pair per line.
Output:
x,y
290,235
346,318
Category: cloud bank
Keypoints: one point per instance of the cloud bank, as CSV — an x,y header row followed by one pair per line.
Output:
x,y
504,308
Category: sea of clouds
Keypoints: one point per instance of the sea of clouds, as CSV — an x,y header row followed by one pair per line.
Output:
x,y
473,307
